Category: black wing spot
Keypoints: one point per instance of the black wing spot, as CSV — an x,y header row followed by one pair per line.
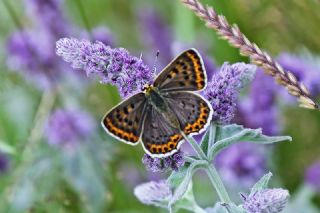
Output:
x,y
193,83
125,110
182,84
186,77
175,70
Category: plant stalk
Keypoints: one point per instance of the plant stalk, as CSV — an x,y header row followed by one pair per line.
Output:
x,y
210,170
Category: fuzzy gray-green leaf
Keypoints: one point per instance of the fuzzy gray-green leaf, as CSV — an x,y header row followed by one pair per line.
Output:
x,y
261,184
231,134
181,179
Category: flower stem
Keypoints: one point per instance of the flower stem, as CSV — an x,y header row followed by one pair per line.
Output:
x,y
195,146
212,134
217,183
210,169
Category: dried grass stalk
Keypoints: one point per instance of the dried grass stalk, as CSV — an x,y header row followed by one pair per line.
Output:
x,y
261,58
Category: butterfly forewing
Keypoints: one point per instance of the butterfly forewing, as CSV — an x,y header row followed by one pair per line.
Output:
x,y
158,137
185,73
126,119
192,111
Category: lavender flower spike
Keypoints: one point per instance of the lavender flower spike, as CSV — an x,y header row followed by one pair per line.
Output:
x,y
115,66
173,162
154,193
266,201
66,128
223,89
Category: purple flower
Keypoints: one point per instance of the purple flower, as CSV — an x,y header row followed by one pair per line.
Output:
x,y
4,163
32,51
305,69
312,175
241,163
29,52
223,89
66,128
173,162
48,15
266,201
115,66
153,193
259,109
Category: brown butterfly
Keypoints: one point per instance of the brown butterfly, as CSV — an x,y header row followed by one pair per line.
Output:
x,y
157,116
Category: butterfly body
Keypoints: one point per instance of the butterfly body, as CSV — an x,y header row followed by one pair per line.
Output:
x,y
159,114
159,103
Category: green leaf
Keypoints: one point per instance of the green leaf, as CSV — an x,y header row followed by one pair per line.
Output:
x,y
261,184
6,148
209,138
231,134
180,180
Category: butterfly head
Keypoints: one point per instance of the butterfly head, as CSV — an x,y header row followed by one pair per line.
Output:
x,y
147,89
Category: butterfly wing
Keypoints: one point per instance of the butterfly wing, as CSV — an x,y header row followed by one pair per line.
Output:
x,y
159,138
184,73
193,112
125,120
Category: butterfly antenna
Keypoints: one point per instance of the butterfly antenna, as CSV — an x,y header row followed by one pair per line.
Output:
x,y
155,61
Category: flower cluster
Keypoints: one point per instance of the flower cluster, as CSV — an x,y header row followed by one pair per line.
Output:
x,y
32,51
66,128
153,192
268,201
259,109
223,89
115,66
241,163
174,162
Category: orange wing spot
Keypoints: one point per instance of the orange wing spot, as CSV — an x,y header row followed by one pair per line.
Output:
x,y
167,147
127,136
200,122
200,81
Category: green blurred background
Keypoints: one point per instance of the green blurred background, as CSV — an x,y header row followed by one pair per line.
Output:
x,y
276,26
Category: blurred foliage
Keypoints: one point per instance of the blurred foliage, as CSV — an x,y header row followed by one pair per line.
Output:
x,y
277,26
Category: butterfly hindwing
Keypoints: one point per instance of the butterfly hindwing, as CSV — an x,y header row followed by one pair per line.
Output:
x,y
159,138
125,120
193,112
184,73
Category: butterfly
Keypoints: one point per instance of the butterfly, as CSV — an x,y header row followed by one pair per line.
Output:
x,y
159,114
